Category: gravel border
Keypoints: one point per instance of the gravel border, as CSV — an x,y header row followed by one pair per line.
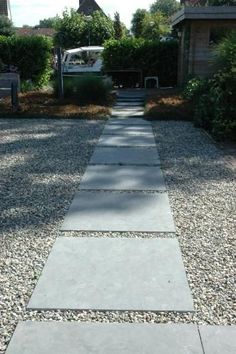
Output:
x,y
43,161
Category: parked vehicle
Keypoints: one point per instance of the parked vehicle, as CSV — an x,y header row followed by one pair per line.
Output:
x,y
83,60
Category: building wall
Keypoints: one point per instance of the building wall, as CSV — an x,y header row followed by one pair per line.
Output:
x,y
5,8
195,57
200,54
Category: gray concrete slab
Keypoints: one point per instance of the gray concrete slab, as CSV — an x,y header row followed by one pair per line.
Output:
x,y
130,99
132,129
125,156
106,211
133,94
218,339
113,274
123,178
128,121
128,109
127,113
127,140
103,338
121,103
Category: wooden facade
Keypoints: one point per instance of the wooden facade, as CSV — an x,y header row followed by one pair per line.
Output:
x,y
199,29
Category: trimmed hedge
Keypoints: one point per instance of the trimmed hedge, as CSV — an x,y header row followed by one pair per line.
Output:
x,y
31,55
154,58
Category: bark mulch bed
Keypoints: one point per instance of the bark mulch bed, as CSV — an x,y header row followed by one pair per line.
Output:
x,y
167,104
45,105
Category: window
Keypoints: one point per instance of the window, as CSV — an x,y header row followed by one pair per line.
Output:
x,y
217,34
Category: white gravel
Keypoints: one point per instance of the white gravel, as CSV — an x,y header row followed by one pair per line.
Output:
x,y
41,166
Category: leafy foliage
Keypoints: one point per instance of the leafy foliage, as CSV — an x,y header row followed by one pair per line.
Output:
x,y
154,58
215,108
149,25
75,30
225,52
137,22
50,22
87,89
195,88
31,55
166,7
155,25
6,26
118,26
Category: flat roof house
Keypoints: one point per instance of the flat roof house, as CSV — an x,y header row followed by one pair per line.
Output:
x,y
199,28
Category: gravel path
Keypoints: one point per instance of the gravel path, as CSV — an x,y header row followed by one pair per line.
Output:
x,y
41,166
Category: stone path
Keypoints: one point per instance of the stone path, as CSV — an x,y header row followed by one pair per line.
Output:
x,y
122,190
113,274
111,177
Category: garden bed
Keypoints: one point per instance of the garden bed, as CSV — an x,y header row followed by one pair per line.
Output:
x,y
44,105
167,104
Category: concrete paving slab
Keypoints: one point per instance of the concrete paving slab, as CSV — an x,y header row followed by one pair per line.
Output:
x,y
131,94
106,211
123,178
129,104
132,129
130,98
125,156
218,339
102,338
127,140
127,113
113,274
128,109
128,121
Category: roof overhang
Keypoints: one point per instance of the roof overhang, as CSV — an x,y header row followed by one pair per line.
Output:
x,y
204,13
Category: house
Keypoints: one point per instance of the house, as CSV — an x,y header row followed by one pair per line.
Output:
x,y
88,7
199,29
5,9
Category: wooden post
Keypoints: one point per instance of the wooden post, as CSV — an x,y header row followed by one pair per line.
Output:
x,y
14,96
60,74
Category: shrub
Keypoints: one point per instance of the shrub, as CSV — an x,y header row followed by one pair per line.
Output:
x,y
31,55
195,88
154,58
85,89
225,53
214,99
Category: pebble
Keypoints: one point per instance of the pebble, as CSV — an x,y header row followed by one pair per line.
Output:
x,y
42,164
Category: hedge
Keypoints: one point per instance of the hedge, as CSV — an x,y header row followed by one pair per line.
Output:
x,y
154,58
31,55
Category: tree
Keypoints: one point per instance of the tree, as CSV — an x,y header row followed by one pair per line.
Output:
x,y
101,28
155,25
118,26
76,30
48,22
166,7
137,22
6,26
